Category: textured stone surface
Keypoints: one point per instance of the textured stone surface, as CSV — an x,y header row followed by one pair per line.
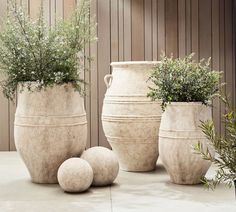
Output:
x,y
179,132
75,175
50,127
104,164
131,120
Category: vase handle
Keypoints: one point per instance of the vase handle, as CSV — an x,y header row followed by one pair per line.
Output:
x,y
108,80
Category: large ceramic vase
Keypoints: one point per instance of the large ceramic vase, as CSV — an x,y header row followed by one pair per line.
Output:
x,y
50,127
131,120
179,132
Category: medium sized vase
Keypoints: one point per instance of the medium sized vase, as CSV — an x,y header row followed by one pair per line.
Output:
x,y
179,132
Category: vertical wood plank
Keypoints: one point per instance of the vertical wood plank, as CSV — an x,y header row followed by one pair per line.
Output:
x,y
229,49
114,31
137,30
4,119
182,28
103,14
127,30
25,5
12,105
68,7
94,84
18,3
234,71
87,96
59,9
216,58
87,75
148,29
171,27
188,27
121,30
154,30
46,11
195,28
34,8
11,118
205,28
222,56
52,13
161,28
88,80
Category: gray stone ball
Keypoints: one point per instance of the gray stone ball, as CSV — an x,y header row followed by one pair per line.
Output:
x,y
75,175
104,164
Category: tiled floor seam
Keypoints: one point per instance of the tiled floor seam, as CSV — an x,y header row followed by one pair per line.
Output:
x,y
111,200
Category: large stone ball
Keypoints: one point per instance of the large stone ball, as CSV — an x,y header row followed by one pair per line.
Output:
x,y
104,164
75,175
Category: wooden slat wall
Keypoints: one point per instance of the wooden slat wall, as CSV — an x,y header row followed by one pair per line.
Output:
x,y
4,105
140,30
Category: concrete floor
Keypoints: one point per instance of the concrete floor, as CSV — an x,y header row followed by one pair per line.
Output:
x,y
131,192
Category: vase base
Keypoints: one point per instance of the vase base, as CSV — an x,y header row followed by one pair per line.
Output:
x,y
127,170
44,181
135,169
185,182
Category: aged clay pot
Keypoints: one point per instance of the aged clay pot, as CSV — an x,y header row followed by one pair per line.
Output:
x,y
179,132
130,119
50,127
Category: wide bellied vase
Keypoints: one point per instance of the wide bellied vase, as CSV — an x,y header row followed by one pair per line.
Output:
x,y
50,127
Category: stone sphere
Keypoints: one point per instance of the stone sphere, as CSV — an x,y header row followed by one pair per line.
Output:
x,y
75,175
104,164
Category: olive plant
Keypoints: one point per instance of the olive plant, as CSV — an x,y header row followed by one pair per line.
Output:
x,y
183,80
31,51
225,147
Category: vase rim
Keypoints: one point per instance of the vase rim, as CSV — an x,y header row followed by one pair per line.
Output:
x,y
36,82
125,63
185,103
33,85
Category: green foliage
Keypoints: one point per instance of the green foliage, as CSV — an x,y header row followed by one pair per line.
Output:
x,y
225,148
183,80
30,51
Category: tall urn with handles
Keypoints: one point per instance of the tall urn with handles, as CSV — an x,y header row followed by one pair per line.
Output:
x,y
131,120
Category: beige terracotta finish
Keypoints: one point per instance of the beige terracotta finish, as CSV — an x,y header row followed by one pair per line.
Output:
x,y
179,132
104,164
50,127
75,175
130,119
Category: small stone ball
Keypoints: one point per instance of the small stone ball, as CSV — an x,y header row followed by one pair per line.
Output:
x,y
104,164
75,175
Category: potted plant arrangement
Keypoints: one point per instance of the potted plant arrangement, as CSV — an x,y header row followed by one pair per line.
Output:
x,y
225,147
185,89
43,66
